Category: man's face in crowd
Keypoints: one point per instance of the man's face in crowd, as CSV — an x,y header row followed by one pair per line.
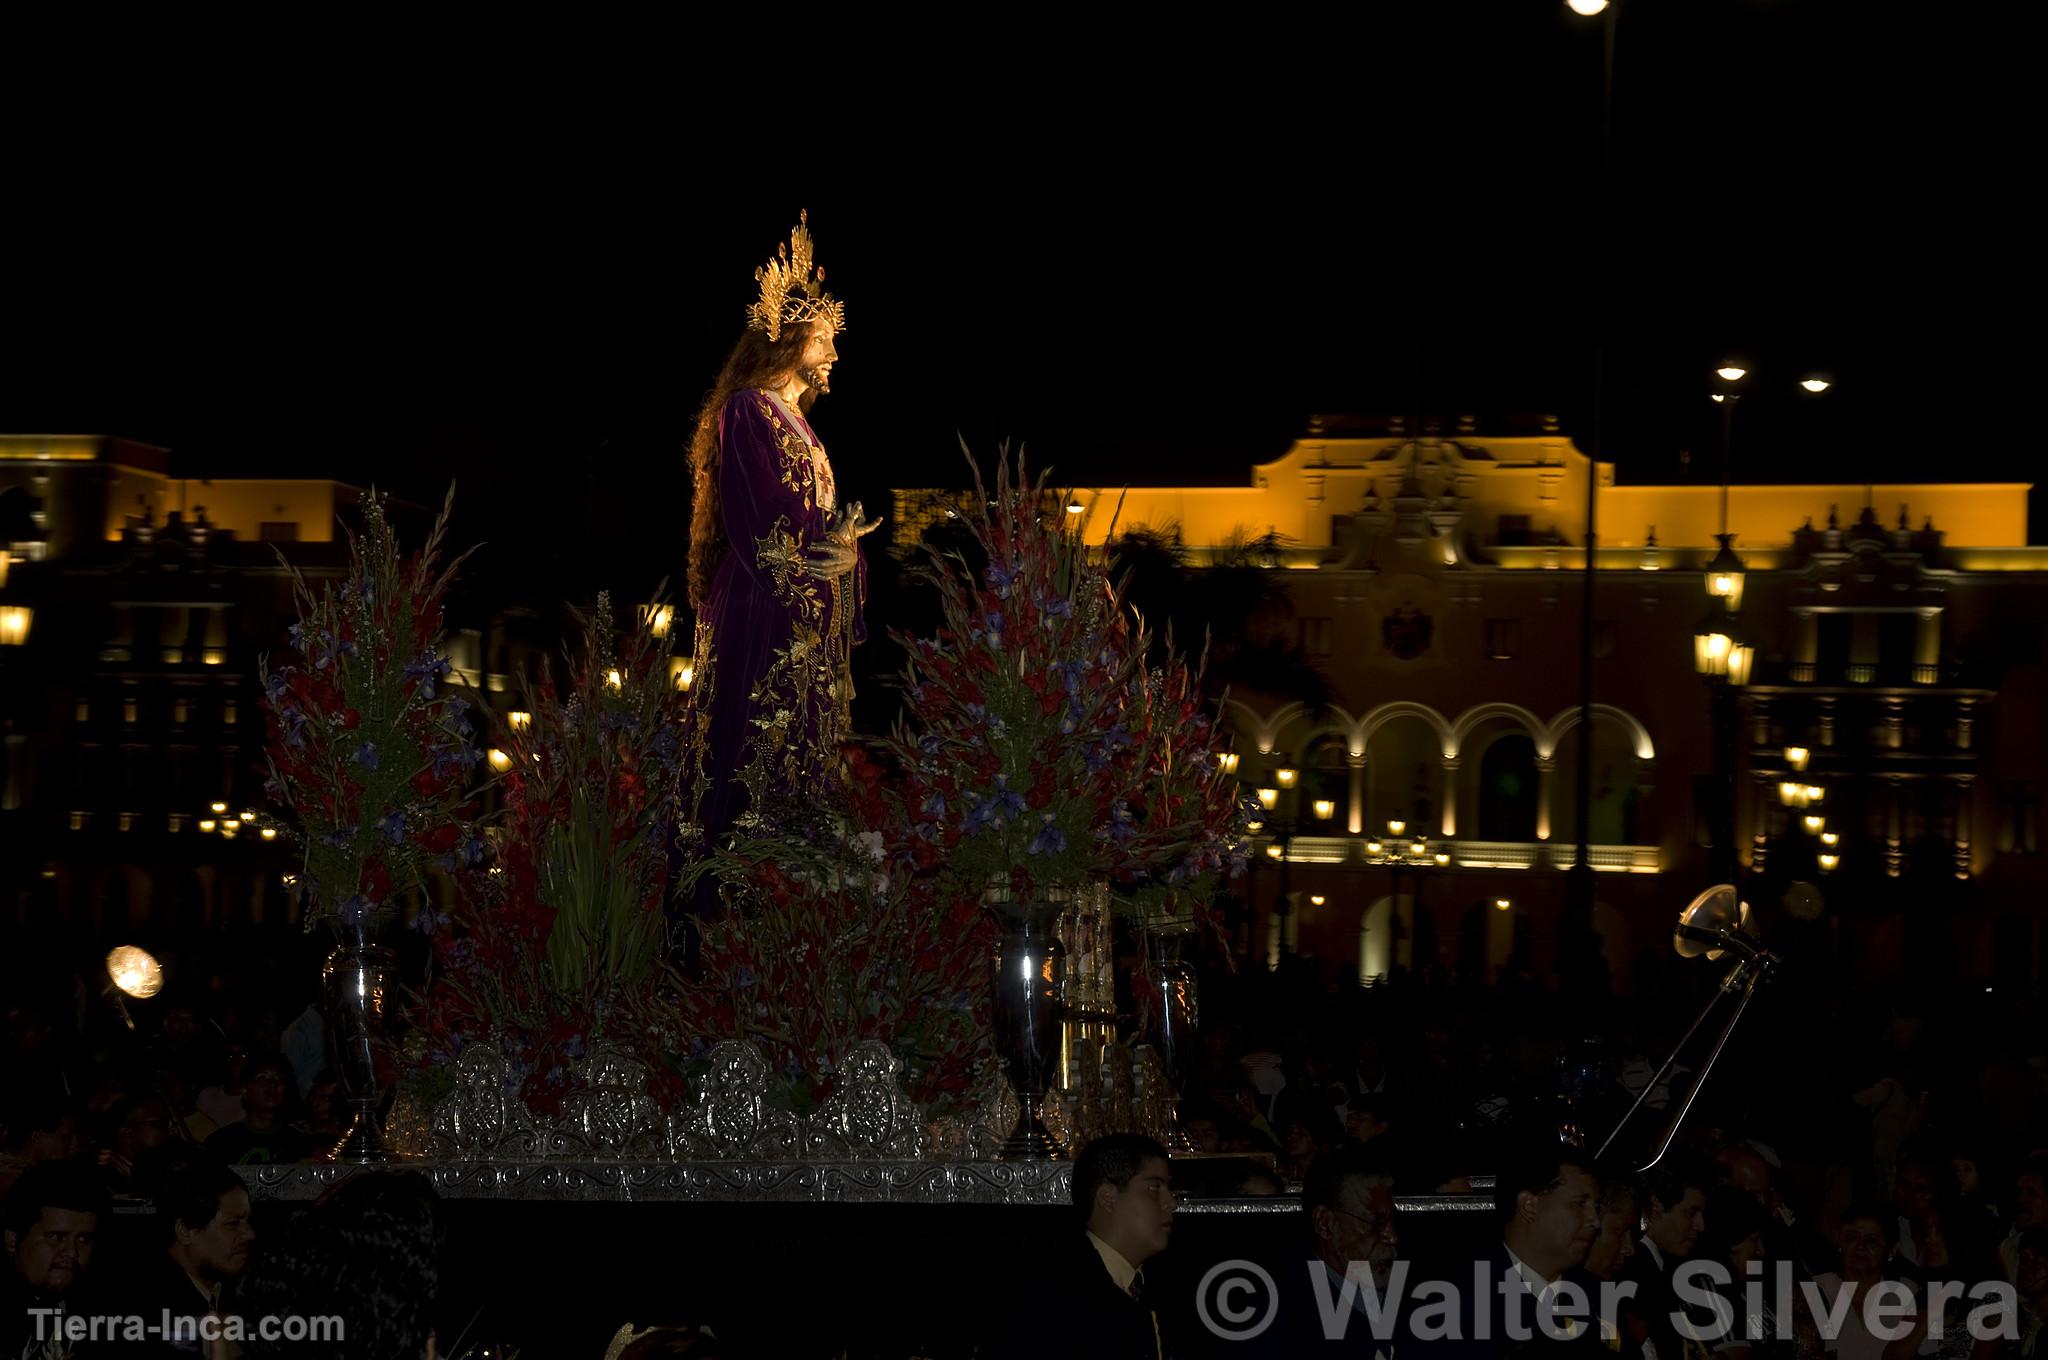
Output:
x,y
1567,1216
1863,1247
2030,1202
55,1251
1675,1229
1141,1214
1615,1243
1361,1228
220,1250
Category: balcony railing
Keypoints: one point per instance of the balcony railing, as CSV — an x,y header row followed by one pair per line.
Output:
x,y
1350,851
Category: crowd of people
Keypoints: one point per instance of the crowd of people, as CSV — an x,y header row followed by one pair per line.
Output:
x,y
1846,1139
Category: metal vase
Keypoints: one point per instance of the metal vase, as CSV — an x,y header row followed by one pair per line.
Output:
x,y
355,979
1175,1017
1030,968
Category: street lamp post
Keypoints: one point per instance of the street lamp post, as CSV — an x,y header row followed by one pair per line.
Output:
x,y
1721,655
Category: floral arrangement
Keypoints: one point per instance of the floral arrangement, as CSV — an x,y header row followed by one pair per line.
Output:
x,y
1039,744
560,942
832,937
1016,723
1182,825
368,748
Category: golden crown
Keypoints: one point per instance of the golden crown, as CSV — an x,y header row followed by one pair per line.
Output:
x,y
793,289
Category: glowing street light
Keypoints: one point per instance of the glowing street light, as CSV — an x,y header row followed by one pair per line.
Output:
x,y
1395,826
1326,808
1815,384
500,760
1502,904
1285,777
1796,757
1269,798
1731,372
1586,8
1315,899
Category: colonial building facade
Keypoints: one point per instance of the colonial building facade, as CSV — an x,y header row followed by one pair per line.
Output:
x,y
1427,817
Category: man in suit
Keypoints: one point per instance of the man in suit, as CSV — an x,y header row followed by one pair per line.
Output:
x,y
1092,1300
1674,1215
1517,1301
1349,1244
53,1219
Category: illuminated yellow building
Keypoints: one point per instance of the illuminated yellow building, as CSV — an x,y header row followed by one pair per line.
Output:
x,y
1436,582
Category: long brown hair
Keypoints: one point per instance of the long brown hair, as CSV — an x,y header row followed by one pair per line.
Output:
x,y
756,361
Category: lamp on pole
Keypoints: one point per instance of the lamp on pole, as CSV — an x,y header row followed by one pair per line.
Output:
x,y
1579,882
1721,654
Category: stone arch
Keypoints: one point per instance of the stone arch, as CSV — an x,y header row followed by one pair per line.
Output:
x,y
1266,727
1405,708
1472,718
1639,736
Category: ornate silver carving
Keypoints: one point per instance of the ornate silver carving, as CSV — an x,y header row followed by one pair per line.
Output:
x,y
867,1114
732,1116
730,1182
611,1116
995,1114
483,1117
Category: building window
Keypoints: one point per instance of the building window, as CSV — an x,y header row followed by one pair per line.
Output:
x,y
227,713
1513,532
174,822
1503,639
1315,636
181,711
2019,817
125,821
128,711
278,531
79,819
83,712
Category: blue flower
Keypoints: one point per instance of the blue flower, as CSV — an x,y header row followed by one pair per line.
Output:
x,y
277,684
1050,840
339,837
1005,798
572,1047
1121,826
934,806
347,647
473,851
428,919
999,578
298,636
743,976
394,827
366,755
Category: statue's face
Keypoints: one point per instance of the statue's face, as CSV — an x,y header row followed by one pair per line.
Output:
x,y
815,366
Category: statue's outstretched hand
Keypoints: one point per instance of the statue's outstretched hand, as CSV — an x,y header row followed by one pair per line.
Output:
x,y
838,552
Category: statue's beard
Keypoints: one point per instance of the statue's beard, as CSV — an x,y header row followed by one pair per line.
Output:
x,y
817,380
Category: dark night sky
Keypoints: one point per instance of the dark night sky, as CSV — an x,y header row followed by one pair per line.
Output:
x,y
1149,262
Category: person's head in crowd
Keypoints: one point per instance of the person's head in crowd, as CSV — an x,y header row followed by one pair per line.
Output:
x,y
2031,1276
108,1090
1348,1200
1549,1201
234,1065
42,1128
1920,1184
1306,1133
1123,1188
1258,1183
203,1210
368,1252
1966,1166
1368,1117
1742,1168
171,1080
1865,1239
323,1103
1620,1221
1675,1207
265,1091
2030,1195
182,1030
135,1125
1736,1235
54,1213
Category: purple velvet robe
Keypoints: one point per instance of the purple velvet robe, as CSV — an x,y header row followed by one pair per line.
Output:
x,y
771,683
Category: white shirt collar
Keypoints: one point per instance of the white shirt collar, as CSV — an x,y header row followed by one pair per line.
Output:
x,y
1120,1270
